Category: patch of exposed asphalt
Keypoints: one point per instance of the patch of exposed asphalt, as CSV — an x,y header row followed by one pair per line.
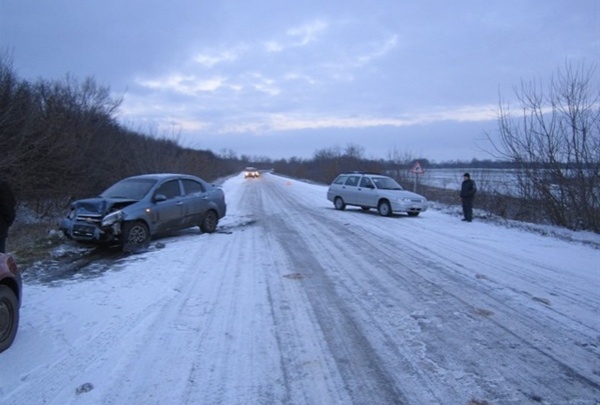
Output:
x,y
70,261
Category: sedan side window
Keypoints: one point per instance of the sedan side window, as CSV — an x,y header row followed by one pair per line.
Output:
x,y
170,189
192,187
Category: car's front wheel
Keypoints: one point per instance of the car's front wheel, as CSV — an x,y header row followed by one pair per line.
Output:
x,y
339,204
135,235
384,209
209,223
9,317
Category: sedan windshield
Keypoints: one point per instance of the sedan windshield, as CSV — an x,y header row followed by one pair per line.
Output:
x,y
134,189
386,183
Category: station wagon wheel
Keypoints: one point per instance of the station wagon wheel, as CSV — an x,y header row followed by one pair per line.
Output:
x,y
135,234
384,209
9,317
339,204
209,223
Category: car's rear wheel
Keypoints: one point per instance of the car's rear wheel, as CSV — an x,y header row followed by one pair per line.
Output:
x,y
384,209
9,317
135,235
209,223
339,204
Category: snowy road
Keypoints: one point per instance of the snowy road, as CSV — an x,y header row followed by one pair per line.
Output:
x,y
292,302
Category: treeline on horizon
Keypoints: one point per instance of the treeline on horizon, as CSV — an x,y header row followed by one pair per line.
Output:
x,y
61,140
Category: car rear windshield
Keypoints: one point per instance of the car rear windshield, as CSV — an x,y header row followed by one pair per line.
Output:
x,y
134,189
386,183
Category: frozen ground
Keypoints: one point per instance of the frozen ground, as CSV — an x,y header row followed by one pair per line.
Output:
x,y
292,302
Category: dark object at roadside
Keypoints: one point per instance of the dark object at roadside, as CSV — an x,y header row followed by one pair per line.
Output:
x,y
135,209
7,212
467,195
10,300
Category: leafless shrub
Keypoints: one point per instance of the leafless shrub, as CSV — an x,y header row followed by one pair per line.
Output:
x,y
555,144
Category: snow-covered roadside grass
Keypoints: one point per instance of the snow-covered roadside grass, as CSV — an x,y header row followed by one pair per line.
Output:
x,y
584,237
29,242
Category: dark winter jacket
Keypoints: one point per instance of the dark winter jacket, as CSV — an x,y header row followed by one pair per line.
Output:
x,y
468,189
7,207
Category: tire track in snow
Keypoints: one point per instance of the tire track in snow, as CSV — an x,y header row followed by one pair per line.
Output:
x,y
442,286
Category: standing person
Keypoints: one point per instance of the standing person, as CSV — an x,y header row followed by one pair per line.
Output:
x,y
467,195
7,212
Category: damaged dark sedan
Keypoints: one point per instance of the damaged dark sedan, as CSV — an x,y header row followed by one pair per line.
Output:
x,y
135,209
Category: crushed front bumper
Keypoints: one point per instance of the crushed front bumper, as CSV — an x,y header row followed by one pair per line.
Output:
x,y
84,231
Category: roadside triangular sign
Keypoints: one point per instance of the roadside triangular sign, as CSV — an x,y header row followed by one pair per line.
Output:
x,y
417,168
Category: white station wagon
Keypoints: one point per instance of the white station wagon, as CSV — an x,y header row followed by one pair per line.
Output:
x,y
366,190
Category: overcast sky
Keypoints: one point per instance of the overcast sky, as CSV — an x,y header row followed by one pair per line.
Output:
x,y
280,78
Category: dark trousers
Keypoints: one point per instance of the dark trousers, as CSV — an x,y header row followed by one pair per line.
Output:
x,y
3,235
467,206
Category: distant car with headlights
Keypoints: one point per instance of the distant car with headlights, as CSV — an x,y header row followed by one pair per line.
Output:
x,y
135,209
10,300
367,190
251,172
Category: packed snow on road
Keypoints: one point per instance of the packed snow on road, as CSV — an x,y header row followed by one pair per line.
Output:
x,y
294,302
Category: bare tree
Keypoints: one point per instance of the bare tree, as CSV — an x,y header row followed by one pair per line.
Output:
x,y
400,164
354,151
555,143
327,164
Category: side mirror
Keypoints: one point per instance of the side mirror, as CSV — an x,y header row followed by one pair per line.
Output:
x,y
159,198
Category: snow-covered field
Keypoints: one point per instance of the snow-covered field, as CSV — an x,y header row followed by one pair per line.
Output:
x,y
292,302
490,180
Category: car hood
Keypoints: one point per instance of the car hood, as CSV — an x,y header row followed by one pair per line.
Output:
x,y
401,194
101,206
